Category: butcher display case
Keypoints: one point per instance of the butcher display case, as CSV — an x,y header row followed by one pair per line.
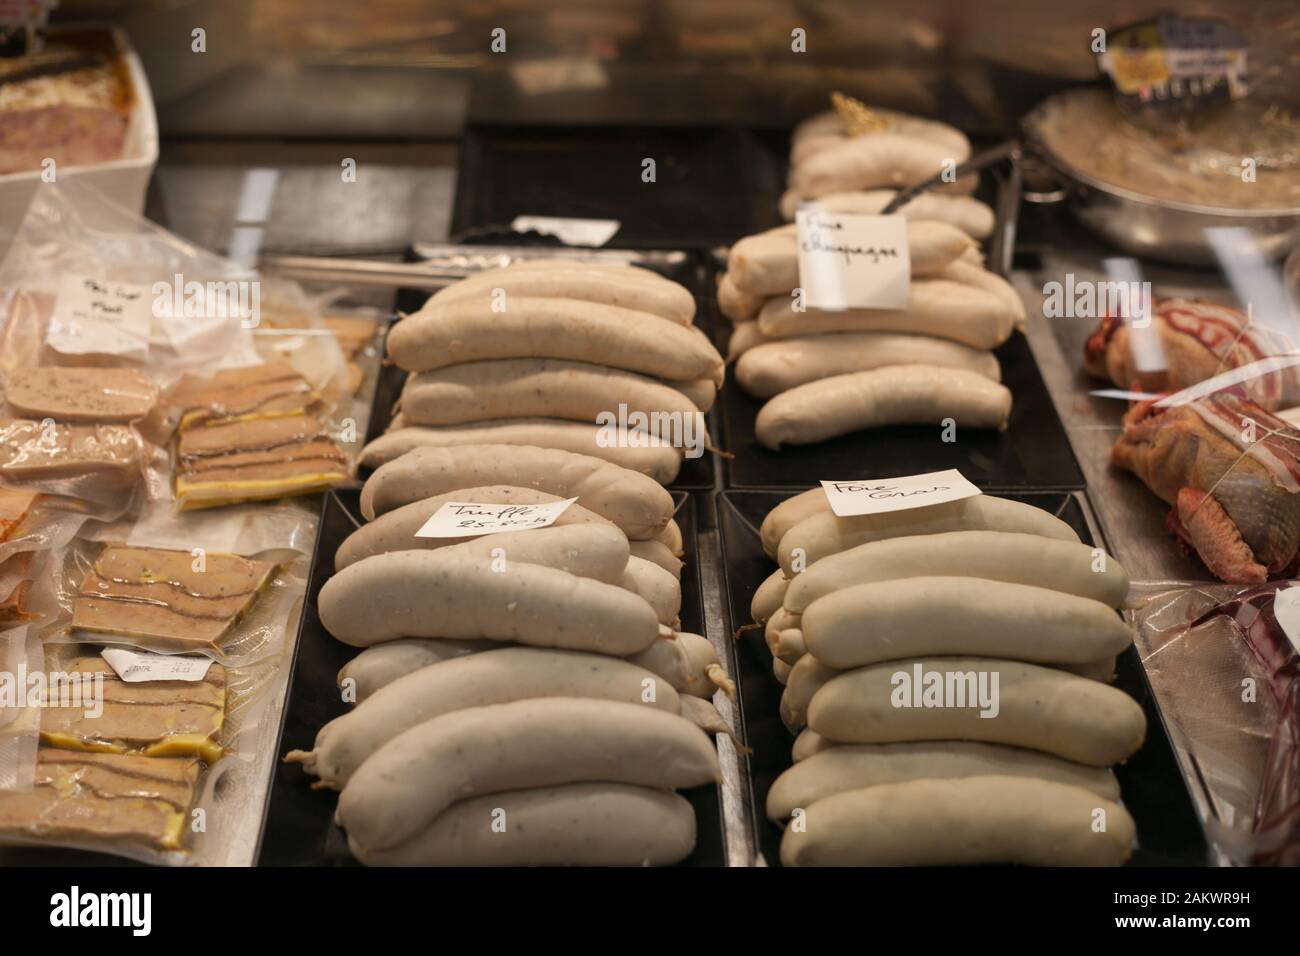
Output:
x,y
763,434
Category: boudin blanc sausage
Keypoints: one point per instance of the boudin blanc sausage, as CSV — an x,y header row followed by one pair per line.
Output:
x,y
774,367
855,766
983,699
395,530
472,330
917,617
658,459
622,286
621,825
492,677
937,307
546,388
636,503
987,819
413,778
788,514
1066,566
427,594
377,667
895,395
826,533
966,213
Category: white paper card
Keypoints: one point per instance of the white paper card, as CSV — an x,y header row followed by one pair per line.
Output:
x,y
1286,608
135,668
572,232
463,519
852,261
102,317
876,496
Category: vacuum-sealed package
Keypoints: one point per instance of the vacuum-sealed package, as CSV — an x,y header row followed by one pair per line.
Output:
x,y
1223,660
225,606
127,752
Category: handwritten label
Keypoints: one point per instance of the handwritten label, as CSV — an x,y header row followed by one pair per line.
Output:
x,y
572,232
464,519
871,496
101,317
136,668
850,261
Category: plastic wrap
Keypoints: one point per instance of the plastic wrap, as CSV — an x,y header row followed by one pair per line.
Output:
x,y
1223,661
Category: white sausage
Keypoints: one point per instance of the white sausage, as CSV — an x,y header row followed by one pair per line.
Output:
x,y
781,671
770,368
997,555
577,824
855,766
1038,708
532,388
627,288
991,819
659,588
414,777
788,514
492,677
658,459
807,677
656,552
426,594
938,307
894,395
767,597
869,162
966,213
395,530
739,307
917,617
636,503
469,330
744,337
377,667
826,533
767,264
808,743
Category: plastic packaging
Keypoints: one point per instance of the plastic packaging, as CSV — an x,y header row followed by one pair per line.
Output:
x,y
1223,661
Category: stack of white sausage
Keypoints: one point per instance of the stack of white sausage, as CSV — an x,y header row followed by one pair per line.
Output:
x,y
828,373
524,698
977,586
534,352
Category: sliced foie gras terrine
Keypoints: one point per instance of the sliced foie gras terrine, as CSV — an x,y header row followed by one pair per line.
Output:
x,y
155,596
165,718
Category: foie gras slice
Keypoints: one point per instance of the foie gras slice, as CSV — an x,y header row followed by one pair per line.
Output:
x,y
96,711
104,799
273,388
31,449
79,395
156,596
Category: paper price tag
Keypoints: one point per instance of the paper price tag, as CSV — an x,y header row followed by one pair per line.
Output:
x,y
851,261
101,317
572,232
135,667
463,519
877,496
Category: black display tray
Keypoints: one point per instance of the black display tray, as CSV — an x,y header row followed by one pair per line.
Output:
x,y
697,474
298,828
1153,790
712,185
1033,452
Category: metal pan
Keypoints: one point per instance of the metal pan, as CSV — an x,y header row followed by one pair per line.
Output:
x,y
1156,228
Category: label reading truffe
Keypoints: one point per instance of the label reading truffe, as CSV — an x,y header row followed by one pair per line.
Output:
x,y
466,519
876,496
135,667
852,261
